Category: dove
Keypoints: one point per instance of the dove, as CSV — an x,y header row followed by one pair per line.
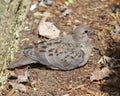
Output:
x,y
62,53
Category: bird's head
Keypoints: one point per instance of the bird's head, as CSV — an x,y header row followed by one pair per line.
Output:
x,y
83,29
82,32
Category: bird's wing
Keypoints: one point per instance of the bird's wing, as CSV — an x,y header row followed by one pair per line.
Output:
x,y
39,52
59,53
65,56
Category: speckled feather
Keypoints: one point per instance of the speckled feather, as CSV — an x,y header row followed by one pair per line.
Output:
x,y
63,53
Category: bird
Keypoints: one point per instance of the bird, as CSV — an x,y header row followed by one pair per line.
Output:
x,y
62,53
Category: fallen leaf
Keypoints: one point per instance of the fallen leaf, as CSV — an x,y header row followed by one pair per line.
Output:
x,y
116,37
19,87
21,75
100,74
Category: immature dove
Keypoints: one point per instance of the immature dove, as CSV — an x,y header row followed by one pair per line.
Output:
x,y
63,53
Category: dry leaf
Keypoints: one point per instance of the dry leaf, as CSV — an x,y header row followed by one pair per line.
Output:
x,y
100,74
19,87
21,75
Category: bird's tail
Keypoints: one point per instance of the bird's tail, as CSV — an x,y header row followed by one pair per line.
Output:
x,y
21,62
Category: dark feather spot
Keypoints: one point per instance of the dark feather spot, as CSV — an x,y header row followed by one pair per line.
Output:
x,y
51,54
49,43
56,51
66,56
43,46
41,42
57,54
51,50
56,42
42,51
29,47
60,52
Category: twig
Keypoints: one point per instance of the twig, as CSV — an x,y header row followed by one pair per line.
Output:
x,y
11,92
83,88
78,87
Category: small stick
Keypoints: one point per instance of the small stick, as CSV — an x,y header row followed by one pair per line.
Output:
x,y
83,88
11,92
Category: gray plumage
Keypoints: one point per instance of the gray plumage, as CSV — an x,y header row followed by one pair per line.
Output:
x,y
63,53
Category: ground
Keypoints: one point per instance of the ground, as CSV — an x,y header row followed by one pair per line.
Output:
x,y
95,13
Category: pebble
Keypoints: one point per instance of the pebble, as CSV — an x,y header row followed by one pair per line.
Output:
x,y
34,6
48,30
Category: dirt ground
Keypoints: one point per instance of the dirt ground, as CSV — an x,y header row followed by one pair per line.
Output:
x,y
95,13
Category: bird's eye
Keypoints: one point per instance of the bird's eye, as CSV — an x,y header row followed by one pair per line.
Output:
x,y
86,31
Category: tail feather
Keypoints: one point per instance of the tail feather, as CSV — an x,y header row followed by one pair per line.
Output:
x,y
21,62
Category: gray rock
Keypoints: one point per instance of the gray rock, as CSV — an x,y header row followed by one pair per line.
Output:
x,y
63,53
